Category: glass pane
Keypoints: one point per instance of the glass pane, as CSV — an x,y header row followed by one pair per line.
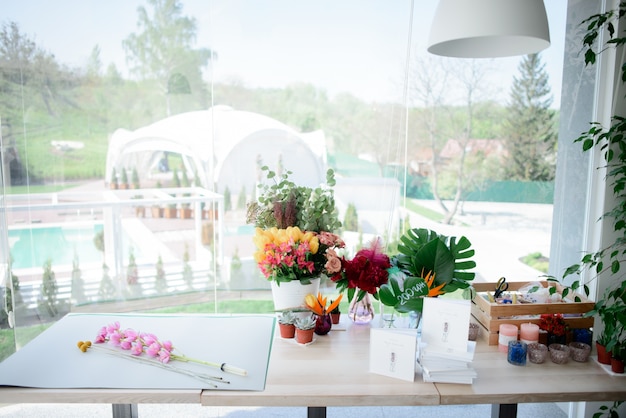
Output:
x,y
104,128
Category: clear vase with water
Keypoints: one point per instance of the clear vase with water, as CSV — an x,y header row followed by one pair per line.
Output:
x,y
361,311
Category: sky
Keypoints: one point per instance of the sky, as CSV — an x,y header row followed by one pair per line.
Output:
x,y
354,46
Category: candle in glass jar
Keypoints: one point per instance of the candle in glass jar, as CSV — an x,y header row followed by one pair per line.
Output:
x,y
529,333
508,332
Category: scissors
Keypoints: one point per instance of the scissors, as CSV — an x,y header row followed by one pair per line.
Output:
x,y
501,287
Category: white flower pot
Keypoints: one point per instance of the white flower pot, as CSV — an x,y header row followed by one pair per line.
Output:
x,y
291,294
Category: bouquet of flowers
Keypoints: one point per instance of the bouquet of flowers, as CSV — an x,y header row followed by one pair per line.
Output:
x,y
553,323
294,228
292,254
365,273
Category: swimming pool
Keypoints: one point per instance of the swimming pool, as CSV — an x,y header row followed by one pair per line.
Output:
x,y
32,246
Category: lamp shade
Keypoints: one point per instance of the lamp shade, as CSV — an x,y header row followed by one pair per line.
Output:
x,y
489,28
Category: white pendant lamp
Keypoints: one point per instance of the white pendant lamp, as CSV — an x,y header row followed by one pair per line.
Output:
x,y
489,28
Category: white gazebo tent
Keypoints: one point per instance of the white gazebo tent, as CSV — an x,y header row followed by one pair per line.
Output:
x,y
223,147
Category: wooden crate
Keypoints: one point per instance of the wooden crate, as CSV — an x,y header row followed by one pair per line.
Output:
x,y
490,314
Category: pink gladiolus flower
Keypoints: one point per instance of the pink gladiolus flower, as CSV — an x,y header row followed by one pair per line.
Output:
x,y
153,349
102,336
130,334
149,339
164,356
167,345
111,328
115,338
136,349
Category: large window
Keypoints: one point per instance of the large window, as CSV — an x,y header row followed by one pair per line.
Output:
x,y
120,119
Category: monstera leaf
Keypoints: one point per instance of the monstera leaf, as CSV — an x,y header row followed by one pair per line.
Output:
x,y
404,295
422,250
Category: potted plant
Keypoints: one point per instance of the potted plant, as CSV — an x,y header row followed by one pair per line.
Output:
x,y
113,184
286,324
157,210
294,222
610,141
611,310
170,211
617,357
185,207
124,182
135,178
323,322
140,210
335,314
305,327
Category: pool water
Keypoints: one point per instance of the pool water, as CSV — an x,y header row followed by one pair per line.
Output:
x,y
31,247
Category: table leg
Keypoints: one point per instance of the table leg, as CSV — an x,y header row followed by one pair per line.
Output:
x,y
125,411
508,410
316,412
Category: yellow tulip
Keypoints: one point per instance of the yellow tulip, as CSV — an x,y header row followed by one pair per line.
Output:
x,y
260,241
314,245
259,256
281,236
295,233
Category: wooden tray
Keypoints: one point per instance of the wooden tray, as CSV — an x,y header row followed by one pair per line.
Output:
x,y
490,314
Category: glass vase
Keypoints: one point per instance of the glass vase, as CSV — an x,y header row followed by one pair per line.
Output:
x,y
323,324
361,311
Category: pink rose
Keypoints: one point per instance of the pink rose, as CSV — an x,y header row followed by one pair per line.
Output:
x,y
333,265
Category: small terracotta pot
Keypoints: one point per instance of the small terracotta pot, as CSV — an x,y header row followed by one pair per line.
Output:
x,y
617,365
604,357
335,317
304,336
287,330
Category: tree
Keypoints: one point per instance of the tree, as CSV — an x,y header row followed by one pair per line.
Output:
x,y
529,130
78,284
430,86
351,219
228,204
162,51
49,290
436,80
160,280
470,76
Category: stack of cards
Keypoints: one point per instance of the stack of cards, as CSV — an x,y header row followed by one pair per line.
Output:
x,y
445,354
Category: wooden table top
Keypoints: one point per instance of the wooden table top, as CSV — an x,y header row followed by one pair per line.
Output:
x,y
499,382
333,371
